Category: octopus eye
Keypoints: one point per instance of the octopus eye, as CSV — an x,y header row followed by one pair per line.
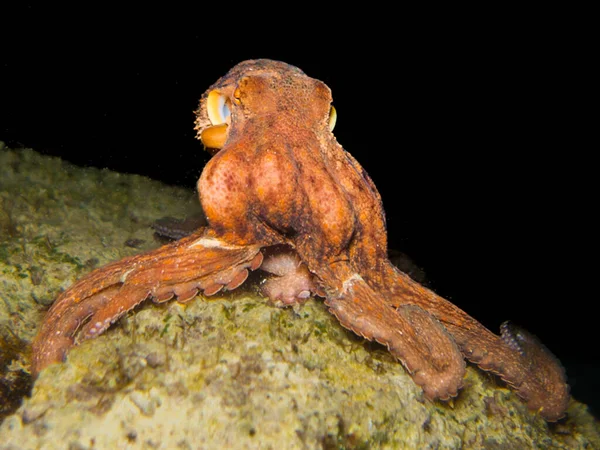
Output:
x,y
332,118
217,107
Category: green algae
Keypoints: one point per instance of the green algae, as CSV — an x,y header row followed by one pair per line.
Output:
x,y
226,372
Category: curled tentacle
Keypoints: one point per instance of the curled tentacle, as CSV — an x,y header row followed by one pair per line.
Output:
x,y
200,262
516,356
523,362
411,334
545,372
290,282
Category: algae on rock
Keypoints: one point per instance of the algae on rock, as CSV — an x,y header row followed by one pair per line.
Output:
x,y
228,372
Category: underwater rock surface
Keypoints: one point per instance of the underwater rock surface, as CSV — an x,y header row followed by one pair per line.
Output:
x,y
226,372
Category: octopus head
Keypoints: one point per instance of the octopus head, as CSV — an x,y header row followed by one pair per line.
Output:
x,y
262,90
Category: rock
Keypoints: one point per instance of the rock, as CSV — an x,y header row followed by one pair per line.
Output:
x,y
228,372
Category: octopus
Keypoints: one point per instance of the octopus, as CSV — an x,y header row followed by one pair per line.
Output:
x,y
281,194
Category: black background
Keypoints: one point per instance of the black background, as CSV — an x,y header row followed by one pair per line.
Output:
x,y
471,130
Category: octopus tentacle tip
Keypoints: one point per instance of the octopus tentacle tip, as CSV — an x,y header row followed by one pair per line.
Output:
x,y
508,332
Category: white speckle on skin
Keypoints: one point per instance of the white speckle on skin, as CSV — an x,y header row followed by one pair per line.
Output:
x,y
125,275
349,281
212,243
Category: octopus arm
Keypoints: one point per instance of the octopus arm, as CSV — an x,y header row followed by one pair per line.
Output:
x,y
199,262
522,361
518,357
411,334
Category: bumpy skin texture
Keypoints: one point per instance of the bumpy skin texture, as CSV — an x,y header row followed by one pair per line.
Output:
x,y
281,179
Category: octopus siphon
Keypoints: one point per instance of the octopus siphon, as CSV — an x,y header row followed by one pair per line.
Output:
x,y
281,194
